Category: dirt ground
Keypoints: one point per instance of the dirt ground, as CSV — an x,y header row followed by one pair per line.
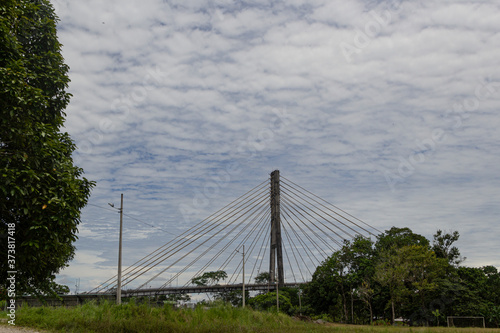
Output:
x,y
5,328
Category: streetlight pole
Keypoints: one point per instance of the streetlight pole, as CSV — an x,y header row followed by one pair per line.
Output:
x,y
119,286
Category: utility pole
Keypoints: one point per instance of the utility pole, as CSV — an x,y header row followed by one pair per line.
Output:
x,y
277,298
243,275
300,302
119,286
276,255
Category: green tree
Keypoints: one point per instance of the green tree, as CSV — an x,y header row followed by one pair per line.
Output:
x,y
235,297
268,302
365,293
323,293
493,315
175,298
442,245
391,271
262,278
411,273
492,284
395,238
209,278
41,191
474,296
338,282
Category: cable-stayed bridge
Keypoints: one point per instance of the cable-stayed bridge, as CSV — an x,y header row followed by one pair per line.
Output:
x,y
277,227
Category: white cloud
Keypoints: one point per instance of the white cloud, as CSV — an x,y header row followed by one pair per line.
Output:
x,y
168,94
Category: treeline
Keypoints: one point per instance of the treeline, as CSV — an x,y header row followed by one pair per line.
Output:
x,y
399,275
402,275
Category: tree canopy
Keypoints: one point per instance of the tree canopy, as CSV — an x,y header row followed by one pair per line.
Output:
x,y
209,278
401,275
41,190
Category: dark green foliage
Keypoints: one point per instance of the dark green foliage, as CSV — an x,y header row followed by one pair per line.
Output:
x,y
401,275
262,278
175,298
412,274
480,292
234,297
213,278
41,191
442,246
342,280
209,278
397,238
268,302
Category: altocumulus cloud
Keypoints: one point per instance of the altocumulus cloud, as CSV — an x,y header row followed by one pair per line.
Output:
x,y
387,109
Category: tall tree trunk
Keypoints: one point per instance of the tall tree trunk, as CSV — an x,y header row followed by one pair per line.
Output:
x,y
371,312
423,311
393,312
346,313
344,305
352,307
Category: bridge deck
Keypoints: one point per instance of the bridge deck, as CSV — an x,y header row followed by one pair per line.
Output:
x,y
201,289
73,300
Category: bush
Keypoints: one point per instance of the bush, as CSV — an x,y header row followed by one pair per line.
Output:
x,y
382,322
267,302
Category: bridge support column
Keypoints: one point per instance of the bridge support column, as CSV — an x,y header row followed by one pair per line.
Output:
x,y
276,255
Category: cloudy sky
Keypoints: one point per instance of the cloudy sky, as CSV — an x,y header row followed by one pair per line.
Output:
x,y
388,109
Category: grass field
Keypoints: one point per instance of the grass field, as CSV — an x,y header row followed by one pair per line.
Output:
x,y
143,318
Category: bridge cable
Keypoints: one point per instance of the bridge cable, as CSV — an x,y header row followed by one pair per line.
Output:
x,y
213,259
336,219
286,255
232,215
299,211
262,222
262,211
194,237
187,232
265,240
306,248
136,271
315,196
287,235
308,225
